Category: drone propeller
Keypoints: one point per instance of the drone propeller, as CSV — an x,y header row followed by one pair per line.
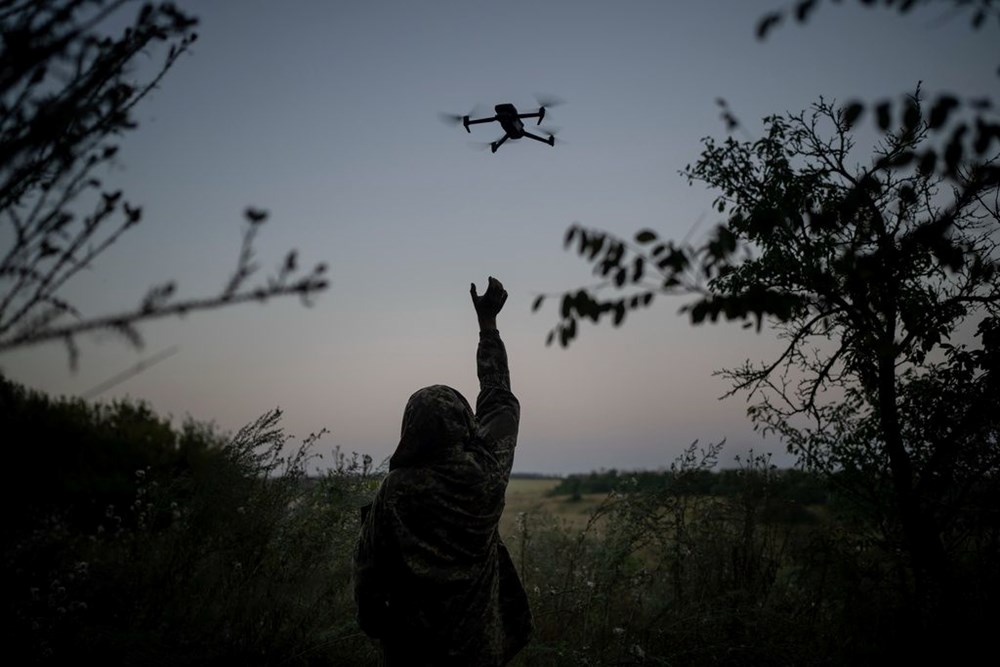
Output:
x,y
479,145
450,118
459,119
548,101
552,132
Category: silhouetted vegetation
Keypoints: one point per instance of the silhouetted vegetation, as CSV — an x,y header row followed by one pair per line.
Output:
x,y
879,387
745,576
795,486
129,541
876,270
216,547
67,95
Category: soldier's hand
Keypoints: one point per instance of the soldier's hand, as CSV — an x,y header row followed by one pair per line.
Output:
x,y
490,303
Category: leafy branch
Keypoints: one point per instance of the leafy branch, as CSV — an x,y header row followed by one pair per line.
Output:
x,y
158,303
67,95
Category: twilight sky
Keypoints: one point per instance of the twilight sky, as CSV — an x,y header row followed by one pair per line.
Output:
x,y
325,114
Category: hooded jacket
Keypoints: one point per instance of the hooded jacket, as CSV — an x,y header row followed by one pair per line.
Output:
x,y
432,578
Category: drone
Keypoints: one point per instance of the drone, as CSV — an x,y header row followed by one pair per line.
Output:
x,y
510,121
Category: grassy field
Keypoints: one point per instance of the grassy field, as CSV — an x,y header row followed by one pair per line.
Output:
x,y
530,496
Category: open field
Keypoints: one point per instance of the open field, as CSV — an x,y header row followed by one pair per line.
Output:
x,y
531,497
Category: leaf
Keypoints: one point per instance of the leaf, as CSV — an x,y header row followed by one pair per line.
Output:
x,y
596,243
537,303
898,160
883,114
852,112
550,338
767,23
953,153
939,112
911,115
566,307
620,277
255,215
134,214
804,9
565,336
570,234
638,269
985,133
927,162
645,236
619,315
698,312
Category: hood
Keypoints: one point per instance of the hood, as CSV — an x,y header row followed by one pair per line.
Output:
x,y
437,422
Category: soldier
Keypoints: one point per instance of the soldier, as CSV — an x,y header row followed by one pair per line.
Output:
x,y
432,578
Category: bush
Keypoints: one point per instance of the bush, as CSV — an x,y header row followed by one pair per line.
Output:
x,y
225,550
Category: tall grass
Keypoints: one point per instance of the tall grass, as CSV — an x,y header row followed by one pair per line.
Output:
x,y
238,557
221,549
670,577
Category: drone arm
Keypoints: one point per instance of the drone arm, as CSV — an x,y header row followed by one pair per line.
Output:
x,y
467,122
540,114
551,141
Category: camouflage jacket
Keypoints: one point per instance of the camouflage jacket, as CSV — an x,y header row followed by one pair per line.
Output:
x,y
432,578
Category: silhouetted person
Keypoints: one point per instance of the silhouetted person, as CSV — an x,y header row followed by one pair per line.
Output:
x,y
432,578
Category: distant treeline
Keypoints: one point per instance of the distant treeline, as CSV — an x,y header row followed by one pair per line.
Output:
x,y
792,485
533,475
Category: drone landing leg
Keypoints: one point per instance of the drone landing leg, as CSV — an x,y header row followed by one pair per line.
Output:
x,y
498,143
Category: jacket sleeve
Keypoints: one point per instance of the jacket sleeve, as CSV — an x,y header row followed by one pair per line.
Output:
x,y
497,409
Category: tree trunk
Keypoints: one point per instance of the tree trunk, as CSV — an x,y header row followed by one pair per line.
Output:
x,y
921,537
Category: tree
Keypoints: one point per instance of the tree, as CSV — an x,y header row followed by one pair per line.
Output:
x,y
870,276
67,95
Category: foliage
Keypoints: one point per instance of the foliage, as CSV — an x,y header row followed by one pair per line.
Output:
x,y
795,486
872,277
82,457
67,95
223,549
671,576
951,155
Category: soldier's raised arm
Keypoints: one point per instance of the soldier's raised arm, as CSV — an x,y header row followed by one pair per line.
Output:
x,y
497,409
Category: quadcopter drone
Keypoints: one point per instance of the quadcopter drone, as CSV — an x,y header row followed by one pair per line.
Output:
x,y
510,121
